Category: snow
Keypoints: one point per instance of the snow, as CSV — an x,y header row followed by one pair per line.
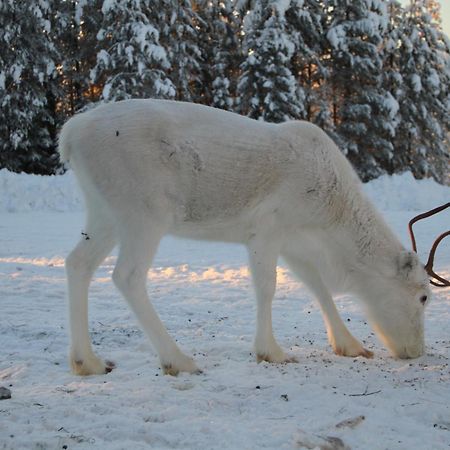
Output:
x,y
106,90
382,19
79,10
433,79
416,82
108,5
103,57
391,105
337,37
16,72
129,54
405,193
50,68
203,294
282,6
145,34
25,193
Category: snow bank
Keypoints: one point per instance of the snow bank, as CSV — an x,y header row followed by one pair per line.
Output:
x,y
405,193
23,193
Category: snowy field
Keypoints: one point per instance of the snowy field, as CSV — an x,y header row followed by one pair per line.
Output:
x,y
202,292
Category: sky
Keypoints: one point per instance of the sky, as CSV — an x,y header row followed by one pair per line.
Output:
x,y
445,13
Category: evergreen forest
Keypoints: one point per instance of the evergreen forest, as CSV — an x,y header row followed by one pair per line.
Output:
x,y
374,74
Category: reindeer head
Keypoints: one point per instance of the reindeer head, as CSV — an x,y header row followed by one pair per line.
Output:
x,y
397,298
400,325
395,304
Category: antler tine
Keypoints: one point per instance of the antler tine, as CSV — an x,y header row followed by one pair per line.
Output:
x,y
424,215
411,232
430,262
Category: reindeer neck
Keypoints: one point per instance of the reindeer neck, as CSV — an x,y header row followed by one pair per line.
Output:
x,y
371,236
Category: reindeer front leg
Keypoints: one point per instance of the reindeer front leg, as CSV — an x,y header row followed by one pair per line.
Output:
x,y
342,341
263,256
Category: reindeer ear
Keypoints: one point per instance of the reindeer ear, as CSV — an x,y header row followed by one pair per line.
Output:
x,y
407,263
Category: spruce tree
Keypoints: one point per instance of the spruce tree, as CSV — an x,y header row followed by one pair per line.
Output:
x,y
130,61
267,88
180,36
76,24
306,21
27,92
392,79
423,64
374,74
220,48
361,108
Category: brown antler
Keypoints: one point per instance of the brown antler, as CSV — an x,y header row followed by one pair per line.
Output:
x,y
441,282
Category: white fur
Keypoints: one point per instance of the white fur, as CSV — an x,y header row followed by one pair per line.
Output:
x,y
152,167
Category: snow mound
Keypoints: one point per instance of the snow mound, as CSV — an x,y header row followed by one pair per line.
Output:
x,y
405,193
20,192
25,193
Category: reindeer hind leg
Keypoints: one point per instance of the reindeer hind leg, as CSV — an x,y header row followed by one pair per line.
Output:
x,y
138,244
96,243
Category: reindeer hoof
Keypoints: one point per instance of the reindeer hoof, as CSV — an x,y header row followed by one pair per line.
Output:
x,y
109,366
367,354
90,365
353,353
185,364
278,359
168,369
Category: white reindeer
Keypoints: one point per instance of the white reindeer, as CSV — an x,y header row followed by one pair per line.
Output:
x,y
152,167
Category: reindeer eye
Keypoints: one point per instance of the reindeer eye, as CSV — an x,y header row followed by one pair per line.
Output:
x,y
423,299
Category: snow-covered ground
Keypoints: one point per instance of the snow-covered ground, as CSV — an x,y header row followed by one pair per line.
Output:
x,y
203,294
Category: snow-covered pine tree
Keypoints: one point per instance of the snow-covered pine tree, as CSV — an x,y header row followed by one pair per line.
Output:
x,y
306,21
221,52
76,24
180,35
27,91
361,109
392,80
130,61
423,63
433,7
267,89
